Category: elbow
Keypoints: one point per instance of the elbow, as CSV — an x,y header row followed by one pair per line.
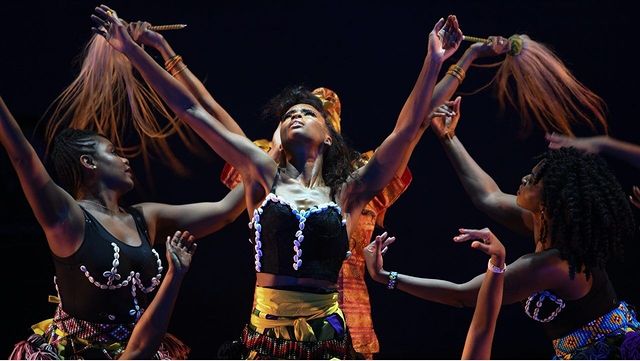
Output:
x,y
464,297
484,201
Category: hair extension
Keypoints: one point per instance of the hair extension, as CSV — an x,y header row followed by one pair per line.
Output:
x,y
587,214
544,90
108,98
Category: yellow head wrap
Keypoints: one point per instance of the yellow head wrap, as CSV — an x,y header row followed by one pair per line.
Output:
x,y
331,104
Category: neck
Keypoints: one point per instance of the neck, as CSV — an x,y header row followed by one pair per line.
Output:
x,y
537,232
306,167
105,199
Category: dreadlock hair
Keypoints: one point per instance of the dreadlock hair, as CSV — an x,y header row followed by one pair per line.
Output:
x,y
68,146
338,158
589,214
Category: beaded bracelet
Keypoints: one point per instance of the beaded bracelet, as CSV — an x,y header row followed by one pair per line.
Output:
x,y
393,280
495,269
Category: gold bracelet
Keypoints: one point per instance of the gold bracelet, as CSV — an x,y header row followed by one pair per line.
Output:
x,y
458,69
455,75
179,70
172,62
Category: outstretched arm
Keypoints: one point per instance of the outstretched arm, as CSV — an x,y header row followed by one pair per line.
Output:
x,y
56,211
202,218
376,174
528,274
483,190
233,148
152,326
602,144
141,34
447,86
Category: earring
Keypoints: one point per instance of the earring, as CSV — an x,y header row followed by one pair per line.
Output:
x,y
94,166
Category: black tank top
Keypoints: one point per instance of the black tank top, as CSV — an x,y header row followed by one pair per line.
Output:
x,y
309,243
106,280
570,315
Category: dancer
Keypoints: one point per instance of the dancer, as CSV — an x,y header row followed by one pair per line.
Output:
x,y
316,184
354,296
105,264
480,336
578,215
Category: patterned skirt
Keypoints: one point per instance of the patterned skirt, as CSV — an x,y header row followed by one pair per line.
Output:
x,y
66,337
615,335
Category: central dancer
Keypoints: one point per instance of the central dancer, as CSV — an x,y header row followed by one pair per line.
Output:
x,y
303,210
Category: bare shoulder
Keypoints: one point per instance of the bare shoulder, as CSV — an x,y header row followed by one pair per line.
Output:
x,y
534,272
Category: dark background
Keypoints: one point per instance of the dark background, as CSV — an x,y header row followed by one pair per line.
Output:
x,y
369,53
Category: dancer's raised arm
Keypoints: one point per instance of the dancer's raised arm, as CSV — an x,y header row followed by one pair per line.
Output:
x,y
233,148
175,65
483,325
446,87
54,208
601,144
484,192
444,39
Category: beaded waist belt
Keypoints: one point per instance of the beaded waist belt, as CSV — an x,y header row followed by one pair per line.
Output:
x,y
93,332
618,321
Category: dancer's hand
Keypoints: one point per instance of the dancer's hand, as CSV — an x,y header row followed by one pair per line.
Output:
x,y
444,119
180,249
142,35
591,145
112,28
373,256
485,241
445,38
497,45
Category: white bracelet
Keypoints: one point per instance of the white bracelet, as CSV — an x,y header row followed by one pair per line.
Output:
x,y
495,269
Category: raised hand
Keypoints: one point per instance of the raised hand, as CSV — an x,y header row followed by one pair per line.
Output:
x,y
142,35
588,144
444,119
485,241
373,256
180,250
112,28
445,38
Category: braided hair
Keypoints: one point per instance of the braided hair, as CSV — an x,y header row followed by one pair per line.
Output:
x,y
68,147
338,158
589,214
